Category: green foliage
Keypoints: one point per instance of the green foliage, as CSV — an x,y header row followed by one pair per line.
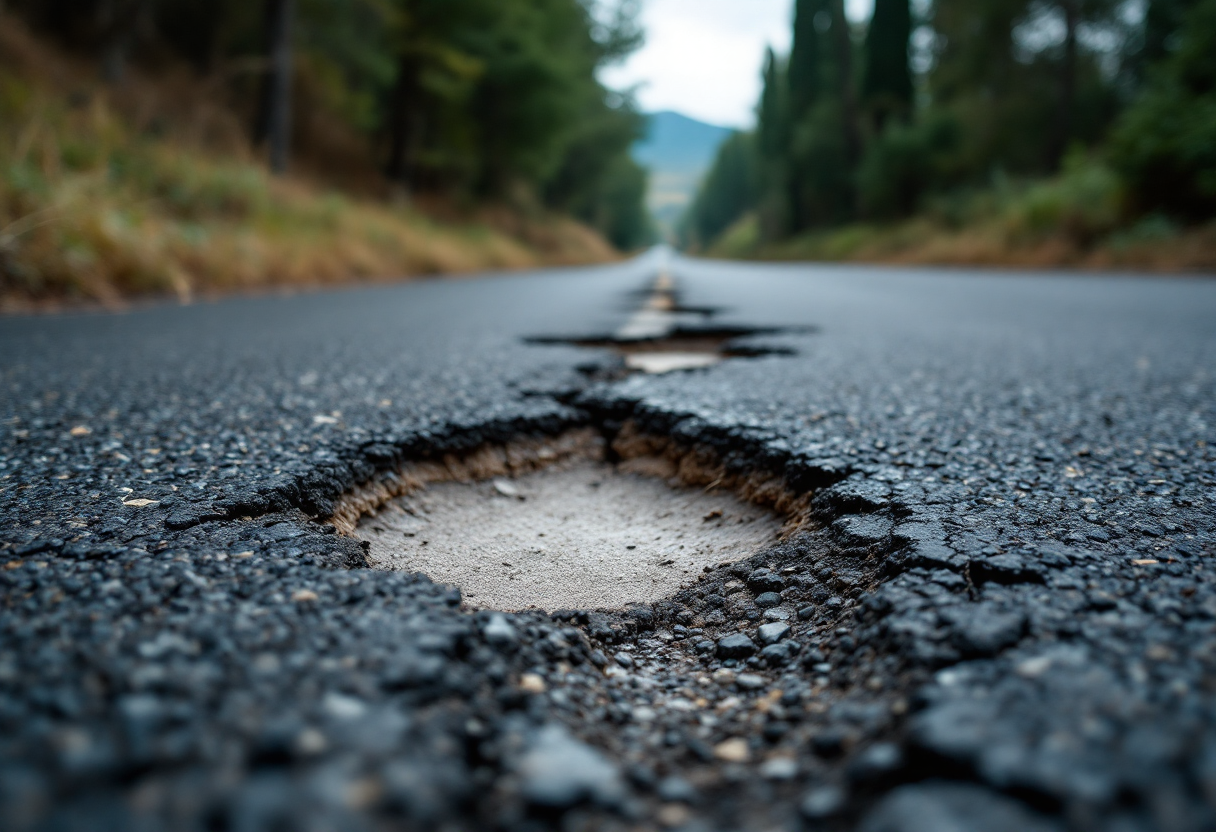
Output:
x,y
805,169
474,99
1163,19
809,65
728,191
598,182
1084,203
772,146
906,162
822,170
620,206
741,240
975,53
1021,102
500,99
1165,144
1008,90
887,86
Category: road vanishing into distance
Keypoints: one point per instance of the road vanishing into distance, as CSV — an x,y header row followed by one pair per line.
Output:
x,y
992,605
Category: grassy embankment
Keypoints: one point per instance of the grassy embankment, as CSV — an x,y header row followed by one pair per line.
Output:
x,y
151,189
1080,218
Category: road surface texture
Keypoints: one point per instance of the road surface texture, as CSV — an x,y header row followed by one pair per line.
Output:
x,y
998,611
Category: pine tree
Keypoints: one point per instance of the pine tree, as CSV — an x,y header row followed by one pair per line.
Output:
x,y
887,87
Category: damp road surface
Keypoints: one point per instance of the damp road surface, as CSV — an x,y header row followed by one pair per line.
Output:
x,y
991,605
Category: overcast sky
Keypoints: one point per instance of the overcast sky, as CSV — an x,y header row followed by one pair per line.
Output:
x,y
703,57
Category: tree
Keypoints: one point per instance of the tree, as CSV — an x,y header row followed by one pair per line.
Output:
x,y
470,99
995,79
773,148
728,192
1073,14
843,43
806,63
823,141
886,89
1163,20
273,124
1165,143
435,80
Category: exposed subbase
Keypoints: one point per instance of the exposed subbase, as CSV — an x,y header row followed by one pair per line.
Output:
x,y
579,533
982,598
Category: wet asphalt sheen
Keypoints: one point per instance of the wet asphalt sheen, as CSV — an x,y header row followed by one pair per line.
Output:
x,y
1003,617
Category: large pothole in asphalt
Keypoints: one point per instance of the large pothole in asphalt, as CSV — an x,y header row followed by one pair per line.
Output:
x,y
579,533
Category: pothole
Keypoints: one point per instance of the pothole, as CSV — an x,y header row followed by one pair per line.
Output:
x,y
680,352
662,336
558,525
581,537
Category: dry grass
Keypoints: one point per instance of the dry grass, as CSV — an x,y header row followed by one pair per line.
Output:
x,y
1079,219
152,190
922,242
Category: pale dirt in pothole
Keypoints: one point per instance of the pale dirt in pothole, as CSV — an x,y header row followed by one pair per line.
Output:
x,y
584,537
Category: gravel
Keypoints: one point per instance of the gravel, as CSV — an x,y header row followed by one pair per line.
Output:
x,y
735,646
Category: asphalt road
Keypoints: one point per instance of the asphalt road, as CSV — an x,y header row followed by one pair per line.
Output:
x,y
1002,618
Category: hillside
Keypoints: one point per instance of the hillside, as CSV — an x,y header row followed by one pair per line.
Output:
x,y
678,150
151,188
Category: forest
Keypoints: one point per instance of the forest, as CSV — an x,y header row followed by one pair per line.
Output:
x,y
179,115
956,130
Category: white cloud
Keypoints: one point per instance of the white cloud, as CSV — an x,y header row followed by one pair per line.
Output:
x,y
704,58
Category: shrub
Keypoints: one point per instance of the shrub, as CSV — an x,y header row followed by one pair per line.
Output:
x,y
1085,202
903,163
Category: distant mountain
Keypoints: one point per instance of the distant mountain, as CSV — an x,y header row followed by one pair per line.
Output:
x,y
676,142
678,150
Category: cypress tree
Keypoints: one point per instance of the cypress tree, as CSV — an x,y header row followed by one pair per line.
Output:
x,y
773,146
842,41
887,86
729,190
772,120
806,76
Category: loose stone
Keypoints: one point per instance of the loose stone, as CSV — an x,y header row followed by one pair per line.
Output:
x,y
732,751
768,599
559,771
735,646
773,633
750,681
499,632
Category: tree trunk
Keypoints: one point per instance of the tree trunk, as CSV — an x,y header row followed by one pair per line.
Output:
x,y
401,123
844,63
273,124
1068,86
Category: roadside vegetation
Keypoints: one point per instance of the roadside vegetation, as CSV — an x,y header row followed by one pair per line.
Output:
x,y
1020,132
139,152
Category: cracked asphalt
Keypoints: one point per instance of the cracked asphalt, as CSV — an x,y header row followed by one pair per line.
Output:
x,y
1002,617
